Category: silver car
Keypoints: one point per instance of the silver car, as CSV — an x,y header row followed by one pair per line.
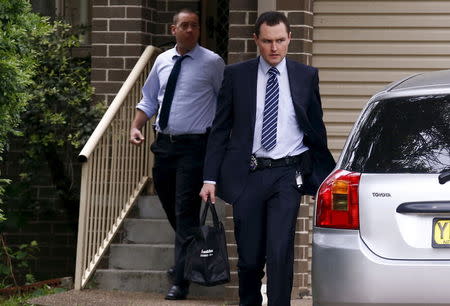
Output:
x,y
381,231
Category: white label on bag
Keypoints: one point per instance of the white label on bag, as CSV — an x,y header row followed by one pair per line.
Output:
x,y
206,253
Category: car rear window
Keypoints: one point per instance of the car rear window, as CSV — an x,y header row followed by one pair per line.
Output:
x,y
402,135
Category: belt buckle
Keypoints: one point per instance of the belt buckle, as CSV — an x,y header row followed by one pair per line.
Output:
x,y
171,138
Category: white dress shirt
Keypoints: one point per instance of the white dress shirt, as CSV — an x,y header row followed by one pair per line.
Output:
x,y
289,135
195,98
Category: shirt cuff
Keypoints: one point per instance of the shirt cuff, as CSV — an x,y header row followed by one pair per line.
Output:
x,y
209,182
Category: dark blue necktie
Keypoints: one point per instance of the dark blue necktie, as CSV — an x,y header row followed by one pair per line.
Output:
x,y
270,115
168,94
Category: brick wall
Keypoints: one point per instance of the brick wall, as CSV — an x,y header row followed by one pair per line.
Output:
x,y
35,212
243,14
121,29
300,17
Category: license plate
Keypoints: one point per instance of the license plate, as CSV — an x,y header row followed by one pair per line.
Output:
x,y
441,233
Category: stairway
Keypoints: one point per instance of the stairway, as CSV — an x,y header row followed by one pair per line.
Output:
x,y
144,253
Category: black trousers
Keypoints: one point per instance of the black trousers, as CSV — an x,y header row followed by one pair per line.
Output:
x,y
265,218
178,178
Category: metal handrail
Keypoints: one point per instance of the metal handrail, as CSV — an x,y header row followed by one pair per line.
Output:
x,y
114,172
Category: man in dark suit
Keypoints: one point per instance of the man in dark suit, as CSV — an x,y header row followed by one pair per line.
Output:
x,y
267,147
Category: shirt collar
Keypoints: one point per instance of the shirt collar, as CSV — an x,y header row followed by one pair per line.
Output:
x,y
264,66
192,54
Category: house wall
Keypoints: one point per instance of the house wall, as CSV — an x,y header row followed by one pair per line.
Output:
x,y
121,29
362,46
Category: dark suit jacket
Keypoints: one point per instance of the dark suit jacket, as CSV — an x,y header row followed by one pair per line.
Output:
x,y
231,139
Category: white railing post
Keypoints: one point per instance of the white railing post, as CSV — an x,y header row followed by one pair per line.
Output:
x,y
81,242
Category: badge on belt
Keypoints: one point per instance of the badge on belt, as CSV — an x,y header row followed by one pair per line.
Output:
x,y
253,163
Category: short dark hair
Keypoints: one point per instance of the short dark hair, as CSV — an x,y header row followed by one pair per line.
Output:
x,y
271,18
183,10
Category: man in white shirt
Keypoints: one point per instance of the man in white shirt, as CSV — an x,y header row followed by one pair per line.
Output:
x,y
184,102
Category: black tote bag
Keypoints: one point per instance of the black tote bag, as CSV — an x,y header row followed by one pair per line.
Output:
x,y
207,258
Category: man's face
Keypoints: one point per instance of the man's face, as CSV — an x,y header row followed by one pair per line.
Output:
x,y
186,31
273,42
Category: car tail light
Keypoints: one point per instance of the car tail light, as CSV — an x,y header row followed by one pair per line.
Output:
x,y
337,201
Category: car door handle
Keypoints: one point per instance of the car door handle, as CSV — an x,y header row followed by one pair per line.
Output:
x,y
444,177
424,207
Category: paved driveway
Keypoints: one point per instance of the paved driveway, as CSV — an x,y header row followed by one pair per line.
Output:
x,y
90,297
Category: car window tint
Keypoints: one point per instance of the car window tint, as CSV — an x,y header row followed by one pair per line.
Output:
x,y
402,135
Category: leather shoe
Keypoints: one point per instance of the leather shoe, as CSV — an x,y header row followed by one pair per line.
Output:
x,y
177,293
171,273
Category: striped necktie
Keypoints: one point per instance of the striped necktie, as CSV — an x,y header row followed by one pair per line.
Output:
x,y
170,91
270,115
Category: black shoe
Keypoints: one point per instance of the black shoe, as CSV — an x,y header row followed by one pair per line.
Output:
x,y
177,293
171,273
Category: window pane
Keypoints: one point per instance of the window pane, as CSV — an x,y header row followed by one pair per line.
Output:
x,y
44,7
404,135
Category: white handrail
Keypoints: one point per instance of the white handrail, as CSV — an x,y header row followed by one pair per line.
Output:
x,y
117,102
114,172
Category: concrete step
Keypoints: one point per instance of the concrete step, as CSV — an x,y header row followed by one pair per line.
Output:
x,y
147,281
149,207
148,231
141,262
141,256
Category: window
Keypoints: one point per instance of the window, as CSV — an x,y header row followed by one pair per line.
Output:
x,y
75,12
402,135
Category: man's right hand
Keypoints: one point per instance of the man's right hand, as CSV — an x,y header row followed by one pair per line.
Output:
x,y
208,190
136,136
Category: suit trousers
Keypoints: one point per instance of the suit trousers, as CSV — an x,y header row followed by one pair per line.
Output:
x,y
178,178
265,218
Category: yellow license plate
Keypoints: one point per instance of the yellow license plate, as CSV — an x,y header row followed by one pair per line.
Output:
x,y
441,233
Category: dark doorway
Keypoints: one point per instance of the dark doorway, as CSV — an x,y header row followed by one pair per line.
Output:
x,y
214,34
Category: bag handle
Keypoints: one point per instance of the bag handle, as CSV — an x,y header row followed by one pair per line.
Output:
x,y
210,206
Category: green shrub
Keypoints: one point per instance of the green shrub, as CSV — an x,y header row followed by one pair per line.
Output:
x,y
19,31
48,90
15,263
60,116
61,113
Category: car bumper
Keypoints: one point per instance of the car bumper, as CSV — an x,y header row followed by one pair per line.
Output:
x,y
346,272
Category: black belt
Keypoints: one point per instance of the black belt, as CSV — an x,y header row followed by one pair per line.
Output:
x,y
182,137
263,163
